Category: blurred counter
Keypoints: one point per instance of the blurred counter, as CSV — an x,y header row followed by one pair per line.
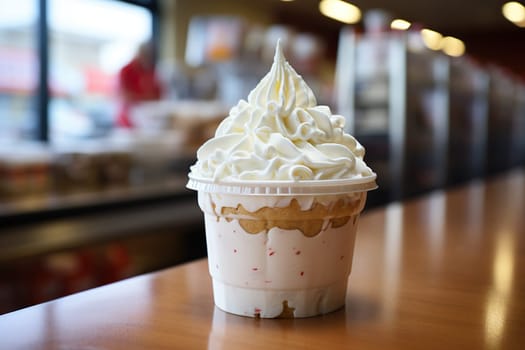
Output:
x,y
162,144
73,223
79,213
55,245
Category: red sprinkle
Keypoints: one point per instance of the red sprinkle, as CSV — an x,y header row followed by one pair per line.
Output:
x,y
271,253
255,268
298,252
257,310
267,281
302,273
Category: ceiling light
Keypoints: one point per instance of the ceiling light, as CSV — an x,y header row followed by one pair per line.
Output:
x,y
340,10
514,12
432,39
400,24
453,46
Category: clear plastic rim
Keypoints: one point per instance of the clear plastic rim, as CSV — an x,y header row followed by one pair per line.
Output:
x,y
283,188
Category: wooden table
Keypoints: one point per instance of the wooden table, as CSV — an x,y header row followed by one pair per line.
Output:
x,y
438,272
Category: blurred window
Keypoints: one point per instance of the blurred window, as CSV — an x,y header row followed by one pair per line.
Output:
x,y
89,41
18,69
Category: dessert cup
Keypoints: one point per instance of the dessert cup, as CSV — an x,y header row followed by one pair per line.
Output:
x,y
281,248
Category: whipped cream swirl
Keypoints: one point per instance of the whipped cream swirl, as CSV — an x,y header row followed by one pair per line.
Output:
x,y
281,134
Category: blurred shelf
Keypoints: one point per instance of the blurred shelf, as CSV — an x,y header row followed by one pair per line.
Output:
x,y
43,225
31,240
45,207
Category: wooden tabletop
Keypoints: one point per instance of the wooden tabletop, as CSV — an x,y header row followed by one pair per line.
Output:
x,y
438,272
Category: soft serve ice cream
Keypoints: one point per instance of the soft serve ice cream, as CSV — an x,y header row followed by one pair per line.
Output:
x,y
281,186
281,134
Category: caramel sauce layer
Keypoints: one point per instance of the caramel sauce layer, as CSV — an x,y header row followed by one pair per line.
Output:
x,y
309,222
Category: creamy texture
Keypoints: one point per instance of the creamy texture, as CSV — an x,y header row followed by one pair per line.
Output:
x,y
281,134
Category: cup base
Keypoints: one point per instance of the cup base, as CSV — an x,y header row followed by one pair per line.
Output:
x,y
279,303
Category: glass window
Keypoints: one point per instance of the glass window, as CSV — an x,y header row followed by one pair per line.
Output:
x,y
89,41
18,70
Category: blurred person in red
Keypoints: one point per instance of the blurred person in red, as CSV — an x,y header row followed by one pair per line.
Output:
x,y
138,82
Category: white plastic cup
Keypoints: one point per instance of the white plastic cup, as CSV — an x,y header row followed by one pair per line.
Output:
x,y
279,248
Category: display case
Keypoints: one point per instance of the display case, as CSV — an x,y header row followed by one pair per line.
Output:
x,y
518,128
394,96
468,113
502,113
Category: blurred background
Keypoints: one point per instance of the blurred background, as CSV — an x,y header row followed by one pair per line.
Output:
x,y
103,104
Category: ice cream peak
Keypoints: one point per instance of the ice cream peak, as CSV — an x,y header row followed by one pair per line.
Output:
x,y
283,87
281,133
